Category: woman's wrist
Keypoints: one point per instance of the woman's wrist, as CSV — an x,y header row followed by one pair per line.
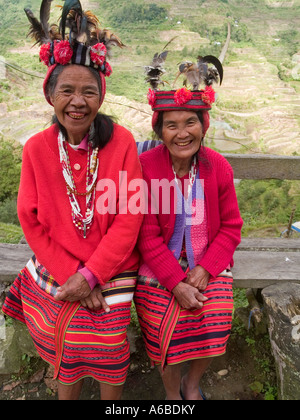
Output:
x,y
89,276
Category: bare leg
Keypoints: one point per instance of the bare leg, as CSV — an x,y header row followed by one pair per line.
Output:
x,y
69,392
190,382
111,392
171,378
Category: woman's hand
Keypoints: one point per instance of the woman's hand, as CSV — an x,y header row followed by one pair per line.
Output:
x,y
95,301
188,296
198,277
75,289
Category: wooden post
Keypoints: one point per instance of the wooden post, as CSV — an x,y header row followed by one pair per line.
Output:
x,y
282,304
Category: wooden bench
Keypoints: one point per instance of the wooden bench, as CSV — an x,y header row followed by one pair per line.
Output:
x,y
258,262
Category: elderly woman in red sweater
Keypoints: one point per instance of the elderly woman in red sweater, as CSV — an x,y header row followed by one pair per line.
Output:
x,y
184,296
75,294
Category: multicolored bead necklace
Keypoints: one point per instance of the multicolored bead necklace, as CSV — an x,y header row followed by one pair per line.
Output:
x,y
82,223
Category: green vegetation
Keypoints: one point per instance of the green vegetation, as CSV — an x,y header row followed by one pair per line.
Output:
x,y
10,162
135,13
268,204
260,352
10,234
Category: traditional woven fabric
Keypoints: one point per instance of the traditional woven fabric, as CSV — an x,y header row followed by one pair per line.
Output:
x,y
196,334
144,146
166,101
76,341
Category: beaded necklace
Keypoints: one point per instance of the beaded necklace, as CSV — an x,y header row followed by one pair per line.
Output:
x,y
192,175
82,223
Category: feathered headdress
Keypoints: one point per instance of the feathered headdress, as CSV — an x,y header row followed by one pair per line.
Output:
x,y
77,40
185,99
194,75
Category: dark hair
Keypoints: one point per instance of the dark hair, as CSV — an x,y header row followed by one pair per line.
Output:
x,y
158,128
103,124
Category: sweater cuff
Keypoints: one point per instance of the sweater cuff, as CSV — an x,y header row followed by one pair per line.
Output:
x,y
89,276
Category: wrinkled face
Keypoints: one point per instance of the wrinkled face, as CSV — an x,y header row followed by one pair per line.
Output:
x,y
76,100
182,134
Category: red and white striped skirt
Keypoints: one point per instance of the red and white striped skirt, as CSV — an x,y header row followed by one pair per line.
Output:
x,y
78,342
174,335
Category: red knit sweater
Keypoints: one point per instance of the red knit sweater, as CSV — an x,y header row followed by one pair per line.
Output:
x,y
224,220
45,212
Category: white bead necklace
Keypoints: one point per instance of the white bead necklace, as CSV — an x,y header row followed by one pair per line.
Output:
x,y
82,223
192,175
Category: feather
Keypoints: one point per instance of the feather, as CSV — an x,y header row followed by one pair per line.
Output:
x,y
45,15
212,74
69,5
54,33
78,26
156,69
84,27
108,38
36,30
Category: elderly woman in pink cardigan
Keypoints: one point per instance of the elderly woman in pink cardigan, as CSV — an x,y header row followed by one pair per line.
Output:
x,y
184,296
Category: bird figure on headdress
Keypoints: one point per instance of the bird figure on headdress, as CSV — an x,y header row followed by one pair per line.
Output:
x,y
200,73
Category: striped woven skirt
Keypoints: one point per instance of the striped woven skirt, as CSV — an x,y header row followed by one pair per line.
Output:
x,y
78,342
174,335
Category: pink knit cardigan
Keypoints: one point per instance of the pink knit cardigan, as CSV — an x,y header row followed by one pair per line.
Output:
x,y
223,217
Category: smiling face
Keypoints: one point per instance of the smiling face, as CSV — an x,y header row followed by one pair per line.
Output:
x,y
182,134
76,100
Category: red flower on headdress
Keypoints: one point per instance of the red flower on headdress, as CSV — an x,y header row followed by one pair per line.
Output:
x,y
108,70
98,54
182,96
45,54
209,95
151,97
63,52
